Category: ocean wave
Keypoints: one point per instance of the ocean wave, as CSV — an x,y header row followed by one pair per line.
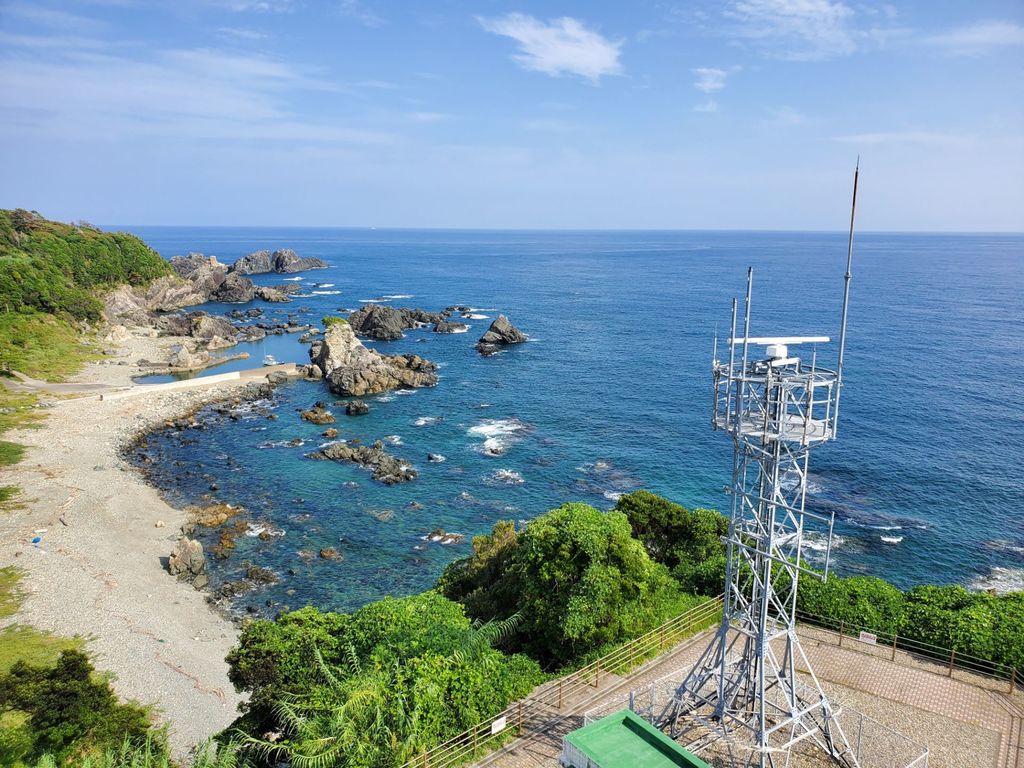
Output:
x,y
297,442
475,316
294,279
612,495
405,391
393,439
325,293
254,530
427,421
505,477
499,434
999,580
325,285
891,539
390,296
385,398
460,330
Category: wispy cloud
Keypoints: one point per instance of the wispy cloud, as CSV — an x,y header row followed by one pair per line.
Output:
x,y
562,46
979,37
354,9
917,138
709,79
795,29
428,117
180,94
261,6
239,33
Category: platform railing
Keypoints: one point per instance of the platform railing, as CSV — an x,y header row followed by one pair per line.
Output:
x,y
932,658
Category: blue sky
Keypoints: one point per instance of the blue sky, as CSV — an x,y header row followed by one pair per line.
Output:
x,y
711,115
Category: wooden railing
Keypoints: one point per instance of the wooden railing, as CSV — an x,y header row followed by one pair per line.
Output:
x,y
534,713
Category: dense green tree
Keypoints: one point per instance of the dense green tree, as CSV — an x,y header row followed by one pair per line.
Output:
x,y
575,575
688,542
373,687
70,714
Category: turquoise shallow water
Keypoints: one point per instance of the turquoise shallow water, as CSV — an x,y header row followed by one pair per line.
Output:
x,y
613,394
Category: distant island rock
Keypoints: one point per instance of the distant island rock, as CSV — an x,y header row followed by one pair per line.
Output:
x,y
500,334
282,261
352,370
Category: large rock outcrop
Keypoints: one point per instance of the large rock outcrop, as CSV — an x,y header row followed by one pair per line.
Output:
x,y
378,321
282,261
188,563
352,370
500,334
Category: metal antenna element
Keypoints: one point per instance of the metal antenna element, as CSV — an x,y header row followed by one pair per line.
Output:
x,y
744,691
846,288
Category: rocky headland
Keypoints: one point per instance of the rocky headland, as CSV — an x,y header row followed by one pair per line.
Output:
x,y
352,370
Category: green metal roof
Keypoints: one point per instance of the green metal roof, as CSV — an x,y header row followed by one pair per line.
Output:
x,y
626,740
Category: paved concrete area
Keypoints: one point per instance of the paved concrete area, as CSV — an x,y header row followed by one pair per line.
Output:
x,y
964,723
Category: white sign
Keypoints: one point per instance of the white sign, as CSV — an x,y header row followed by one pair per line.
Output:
x,y
498,725
867,637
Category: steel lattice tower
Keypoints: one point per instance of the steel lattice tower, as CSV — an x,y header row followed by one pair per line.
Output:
x,y
744,688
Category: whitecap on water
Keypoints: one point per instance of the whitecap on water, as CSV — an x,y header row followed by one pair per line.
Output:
x,y
475,316
505,477
325,293
891,539
999,580
612,495
405,391
294,279
394,439
390,296
499,434
427,421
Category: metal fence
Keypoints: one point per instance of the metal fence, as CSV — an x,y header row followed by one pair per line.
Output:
x,y
907,650
551,701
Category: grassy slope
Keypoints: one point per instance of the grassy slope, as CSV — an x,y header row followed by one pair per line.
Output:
x,y
51,279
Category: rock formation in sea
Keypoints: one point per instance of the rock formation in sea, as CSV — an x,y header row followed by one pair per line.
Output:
x,y
188,563
352,370
318,414
446,326
356,408
386,468
378,321
500,334
282,261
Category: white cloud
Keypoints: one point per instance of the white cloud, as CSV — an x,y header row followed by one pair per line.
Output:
x,y
239,33
562,46
916,138
354,9
708,106
709,79
261,6
179,94
48,17
980,37
796,29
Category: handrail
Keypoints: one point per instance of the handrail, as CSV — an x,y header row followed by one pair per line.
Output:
x,y
949,658
550,698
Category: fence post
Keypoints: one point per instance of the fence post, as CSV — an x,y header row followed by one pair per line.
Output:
x,y
841,626
560,693
1013,679
661,639
894,646
520,717
952,658
597,674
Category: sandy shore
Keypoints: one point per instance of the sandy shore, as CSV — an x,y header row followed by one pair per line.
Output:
x,y
98,571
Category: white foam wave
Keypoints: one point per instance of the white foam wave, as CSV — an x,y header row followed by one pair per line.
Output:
x,y
427,421
1000,580
506,477
405,391
326,293
255,529
394,439
459,330
325,285
385,398
475,316
499,434
891,539
390,296
612,495
294,279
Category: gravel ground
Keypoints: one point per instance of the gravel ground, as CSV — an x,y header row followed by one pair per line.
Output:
x,y
98,571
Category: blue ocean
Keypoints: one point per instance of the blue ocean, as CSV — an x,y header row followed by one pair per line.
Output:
x,y
613,393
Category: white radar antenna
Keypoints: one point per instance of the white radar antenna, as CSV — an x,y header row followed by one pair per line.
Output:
x,y
744,689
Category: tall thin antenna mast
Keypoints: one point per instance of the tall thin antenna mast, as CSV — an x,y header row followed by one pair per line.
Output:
x,y
846,300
